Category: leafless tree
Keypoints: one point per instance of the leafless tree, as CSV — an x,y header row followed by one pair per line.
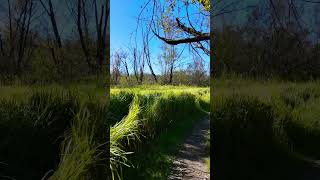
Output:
x,y
50,12
11,44
146,51
197,70
56,49
78,11
100,30
116,63
122,56
1,45
169,56
83,35
138,65
24,42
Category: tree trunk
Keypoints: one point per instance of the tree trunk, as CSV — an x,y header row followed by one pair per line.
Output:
x,y
171,74
82,40
127,69
152,73
54,25
21,40
1,46
11,47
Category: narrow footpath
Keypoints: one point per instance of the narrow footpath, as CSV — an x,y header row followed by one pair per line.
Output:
x,y
189,162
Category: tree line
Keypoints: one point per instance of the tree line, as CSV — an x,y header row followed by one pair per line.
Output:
x,y
45,41
275,39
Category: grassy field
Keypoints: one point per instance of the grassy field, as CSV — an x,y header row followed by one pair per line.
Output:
x,y
148,124
264,129
51,131
56,132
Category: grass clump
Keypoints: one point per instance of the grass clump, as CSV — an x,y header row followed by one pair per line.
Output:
x,y
79,149
127,129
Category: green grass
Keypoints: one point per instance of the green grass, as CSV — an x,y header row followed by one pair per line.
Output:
x,y
207,160
143,142
63,130
261,126
58,128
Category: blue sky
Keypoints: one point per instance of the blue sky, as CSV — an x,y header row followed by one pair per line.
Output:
x,y
123,21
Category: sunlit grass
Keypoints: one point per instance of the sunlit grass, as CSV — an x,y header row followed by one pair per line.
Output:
x,y
155,112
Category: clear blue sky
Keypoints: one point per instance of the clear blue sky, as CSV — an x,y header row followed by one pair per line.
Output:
x,y
123,21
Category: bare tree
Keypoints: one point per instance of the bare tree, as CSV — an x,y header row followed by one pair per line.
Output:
x,y
1,45
56,48
81,15
122,56
100,33
197,71
116,63
169,55
78,11
11,44
23,26
146,52
138,65
50,12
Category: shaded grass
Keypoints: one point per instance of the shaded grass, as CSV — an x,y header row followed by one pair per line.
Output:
x,y
261,126
33,126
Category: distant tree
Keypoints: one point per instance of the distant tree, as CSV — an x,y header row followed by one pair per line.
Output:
x,y
122,56
197,71
138,65
116,63
170,57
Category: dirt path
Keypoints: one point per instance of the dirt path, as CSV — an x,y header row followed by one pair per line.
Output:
x,y
189,162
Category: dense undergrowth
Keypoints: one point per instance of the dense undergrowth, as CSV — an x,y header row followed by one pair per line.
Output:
x,y
62,133
264,130
51,132
148,125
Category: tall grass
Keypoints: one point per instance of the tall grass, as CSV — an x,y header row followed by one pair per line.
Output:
x,y
34,126
127,129
79,149
262,129
152,114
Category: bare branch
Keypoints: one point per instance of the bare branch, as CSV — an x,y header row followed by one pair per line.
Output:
x,y
204,37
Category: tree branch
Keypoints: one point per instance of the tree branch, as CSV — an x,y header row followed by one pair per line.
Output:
x,y
203,37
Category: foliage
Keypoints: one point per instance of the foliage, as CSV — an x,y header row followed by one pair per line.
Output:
x,y
205,3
